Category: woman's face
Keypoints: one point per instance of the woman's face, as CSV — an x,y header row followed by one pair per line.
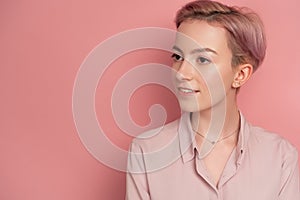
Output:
x,y
202,63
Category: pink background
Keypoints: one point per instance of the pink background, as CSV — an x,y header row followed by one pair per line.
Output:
x,y
43,44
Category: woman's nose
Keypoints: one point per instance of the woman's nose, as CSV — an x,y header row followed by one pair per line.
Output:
x,y
185,71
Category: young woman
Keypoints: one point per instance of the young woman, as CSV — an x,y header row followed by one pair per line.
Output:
x,y
212,152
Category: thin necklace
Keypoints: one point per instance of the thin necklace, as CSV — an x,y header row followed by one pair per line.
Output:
x,y
214,142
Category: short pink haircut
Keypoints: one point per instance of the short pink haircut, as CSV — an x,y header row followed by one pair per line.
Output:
x,y
246,37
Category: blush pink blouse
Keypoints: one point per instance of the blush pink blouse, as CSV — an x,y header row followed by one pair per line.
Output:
x,y
164,164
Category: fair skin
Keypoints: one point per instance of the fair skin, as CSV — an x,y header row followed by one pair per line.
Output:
x,y
210,58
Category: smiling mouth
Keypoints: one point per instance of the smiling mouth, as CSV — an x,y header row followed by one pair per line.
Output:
x,y
187,90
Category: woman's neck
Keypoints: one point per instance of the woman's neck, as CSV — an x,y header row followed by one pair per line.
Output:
x,y
227,119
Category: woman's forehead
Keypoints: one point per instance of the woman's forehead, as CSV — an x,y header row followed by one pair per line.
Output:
x,y
195,34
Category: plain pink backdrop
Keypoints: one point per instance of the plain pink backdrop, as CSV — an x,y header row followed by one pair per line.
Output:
x,y
43,44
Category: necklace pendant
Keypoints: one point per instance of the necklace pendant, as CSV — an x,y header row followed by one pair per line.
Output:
x,y
213,142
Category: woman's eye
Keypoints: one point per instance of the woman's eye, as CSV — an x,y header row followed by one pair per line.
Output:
x,y
203,60
176,57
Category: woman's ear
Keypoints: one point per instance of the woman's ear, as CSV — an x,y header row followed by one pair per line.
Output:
x,y
242,74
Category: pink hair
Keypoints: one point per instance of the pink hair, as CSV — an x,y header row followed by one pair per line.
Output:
x,y
246,37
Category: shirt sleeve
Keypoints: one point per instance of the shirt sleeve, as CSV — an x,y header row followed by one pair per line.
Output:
x,y
290,187
136,177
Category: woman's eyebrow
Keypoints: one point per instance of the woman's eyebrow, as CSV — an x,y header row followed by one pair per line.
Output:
x,y
177,49
199,50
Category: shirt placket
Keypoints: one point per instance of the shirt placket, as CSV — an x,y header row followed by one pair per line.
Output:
x,y
229,171
204,174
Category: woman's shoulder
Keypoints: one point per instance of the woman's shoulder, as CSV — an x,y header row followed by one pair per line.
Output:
x,y
269,141
157,137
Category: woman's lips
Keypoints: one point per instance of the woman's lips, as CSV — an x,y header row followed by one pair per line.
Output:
x,y
187,91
